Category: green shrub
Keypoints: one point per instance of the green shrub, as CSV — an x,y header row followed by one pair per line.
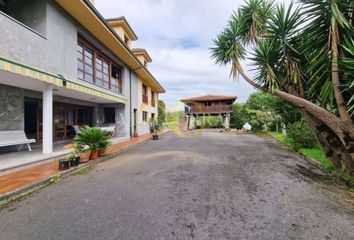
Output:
x,y
94,138
301,136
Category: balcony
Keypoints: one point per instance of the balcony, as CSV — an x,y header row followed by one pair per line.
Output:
x,y
209,109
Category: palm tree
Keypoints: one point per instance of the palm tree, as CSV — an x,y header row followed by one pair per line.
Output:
x,y
286,57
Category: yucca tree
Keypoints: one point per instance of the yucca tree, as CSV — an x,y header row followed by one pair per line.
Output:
x,y
285,56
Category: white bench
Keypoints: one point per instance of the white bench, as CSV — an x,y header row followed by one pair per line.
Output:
x,y
12,138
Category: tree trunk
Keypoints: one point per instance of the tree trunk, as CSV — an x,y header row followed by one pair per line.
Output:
x,y
336,138
330,144
342,108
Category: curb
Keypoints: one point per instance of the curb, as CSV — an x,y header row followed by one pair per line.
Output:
x,y
34,187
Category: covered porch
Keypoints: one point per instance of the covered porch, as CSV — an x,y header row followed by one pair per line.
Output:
x,y
51,109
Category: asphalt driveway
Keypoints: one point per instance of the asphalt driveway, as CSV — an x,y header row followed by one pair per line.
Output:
x,y
203,187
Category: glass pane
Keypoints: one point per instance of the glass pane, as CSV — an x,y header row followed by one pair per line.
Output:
x,y
88,78
99,62
106,78
79,48
80,75
88,60
88,54
88,69
99,74
98,82
105,65
80,65
79,55
106,85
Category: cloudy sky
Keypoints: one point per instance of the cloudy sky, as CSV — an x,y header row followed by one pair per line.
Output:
x,y
178,34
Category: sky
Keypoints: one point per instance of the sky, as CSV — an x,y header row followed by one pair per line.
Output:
x,y
178,35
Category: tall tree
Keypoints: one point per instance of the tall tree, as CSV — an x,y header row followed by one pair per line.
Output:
x,y
296,64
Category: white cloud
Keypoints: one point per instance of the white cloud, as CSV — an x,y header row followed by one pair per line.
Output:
x,y
178,35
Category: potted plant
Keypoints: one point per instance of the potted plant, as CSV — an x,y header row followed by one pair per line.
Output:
x,y
83,152
93,138
64,164
74,158
154,127
94,151
103,145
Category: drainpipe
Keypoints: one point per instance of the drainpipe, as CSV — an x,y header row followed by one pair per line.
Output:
x,y
130,104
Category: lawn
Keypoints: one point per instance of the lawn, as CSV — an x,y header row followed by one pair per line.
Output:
x,y
314,153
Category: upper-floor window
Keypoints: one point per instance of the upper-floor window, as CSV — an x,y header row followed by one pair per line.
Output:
x,y
85,63
126,39
145,94
95,68
153,103
116,79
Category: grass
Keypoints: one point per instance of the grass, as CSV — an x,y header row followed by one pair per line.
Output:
x,y
316,154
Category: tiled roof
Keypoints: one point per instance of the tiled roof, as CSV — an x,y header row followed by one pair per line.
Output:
x,y
209,98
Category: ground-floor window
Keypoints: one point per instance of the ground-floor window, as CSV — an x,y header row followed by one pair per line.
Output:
x,y
145,116
109,115
66,119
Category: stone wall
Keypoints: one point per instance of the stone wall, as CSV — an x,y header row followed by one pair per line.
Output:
x,y
11,108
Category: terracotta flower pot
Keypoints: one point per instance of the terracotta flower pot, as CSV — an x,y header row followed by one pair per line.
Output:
x,y
101,152
84,157
94,155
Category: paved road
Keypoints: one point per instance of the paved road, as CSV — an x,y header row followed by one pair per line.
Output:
x,y
210,187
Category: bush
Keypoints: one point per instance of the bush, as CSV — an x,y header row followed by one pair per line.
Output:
x,y
301,136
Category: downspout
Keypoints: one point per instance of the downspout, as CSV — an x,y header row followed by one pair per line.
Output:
x,y
130,104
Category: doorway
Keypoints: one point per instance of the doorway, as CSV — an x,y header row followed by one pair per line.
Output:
x,y
31,116
135,134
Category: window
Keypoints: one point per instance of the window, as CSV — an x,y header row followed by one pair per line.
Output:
x,y
85,63
102,72
145,96
116,80
109,115
126,39
145,116
95,68
153,116
153,103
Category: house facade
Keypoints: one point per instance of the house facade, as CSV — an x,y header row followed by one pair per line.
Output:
x,y
63,66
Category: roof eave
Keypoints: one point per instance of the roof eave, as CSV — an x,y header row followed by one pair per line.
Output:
x,y
88,16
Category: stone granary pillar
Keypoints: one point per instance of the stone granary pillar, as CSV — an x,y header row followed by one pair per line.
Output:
x,y
226,120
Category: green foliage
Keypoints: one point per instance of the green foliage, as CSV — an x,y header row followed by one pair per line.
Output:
x,y
314,153
263,109
93,138
301,135
210,122
238,116
293,47
161,117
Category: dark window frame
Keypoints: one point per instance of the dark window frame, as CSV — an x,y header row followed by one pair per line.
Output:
x,y
145,93
105,79
145,116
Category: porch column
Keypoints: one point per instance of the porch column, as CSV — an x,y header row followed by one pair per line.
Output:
x,y
227,121
188,122
47,118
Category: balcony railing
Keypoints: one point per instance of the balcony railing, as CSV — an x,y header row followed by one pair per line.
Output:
x,y
145,99
209,109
